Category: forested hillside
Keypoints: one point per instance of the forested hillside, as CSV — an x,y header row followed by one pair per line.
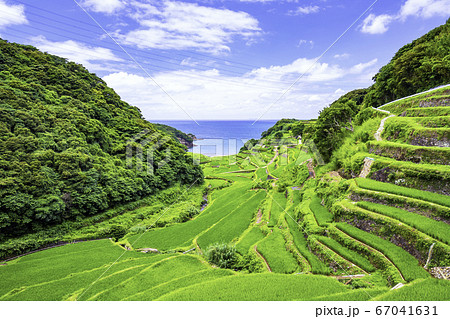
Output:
x,y
63,140
183,138
416,67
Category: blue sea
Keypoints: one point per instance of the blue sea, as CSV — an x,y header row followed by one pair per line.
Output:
x,y
218,138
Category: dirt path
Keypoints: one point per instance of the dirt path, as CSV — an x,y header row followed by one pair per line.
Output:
x,y
381,128
309,164
274,158
369,161
259,217
271,161
367,166
262,257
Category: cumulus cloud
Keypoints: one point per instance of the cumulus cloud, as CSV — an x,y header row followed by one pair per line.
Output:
x,y
212,95
103,6
305,10
425,9
181,25
312,71
11,14
78,52
376,24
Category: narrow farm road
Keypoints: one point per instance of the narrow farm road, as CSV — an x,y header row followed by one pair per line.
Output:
x,y
381,128
262,257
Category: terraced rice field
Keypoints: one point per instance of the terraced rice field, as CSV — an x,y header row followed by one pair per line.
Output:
x,y
406,263
274,251
309,247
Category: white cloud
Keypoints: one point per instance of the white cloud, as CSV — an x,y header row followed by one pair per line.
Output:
x,y
342,56
11,14
305,10
181,25
359,68
103,6
376,24
425,9
78,52
312,71
212,95
303,42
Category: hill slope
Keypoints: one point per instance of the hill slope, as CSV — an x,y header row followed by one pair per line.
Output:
x,y
63,144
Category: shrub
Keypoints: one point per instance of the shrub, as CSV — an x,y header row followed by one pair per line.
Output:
x,y
188,213
114,231
222,255
138,229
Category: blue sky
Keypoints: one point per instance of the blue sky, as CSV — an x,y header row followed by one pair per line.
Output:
x,y
229,59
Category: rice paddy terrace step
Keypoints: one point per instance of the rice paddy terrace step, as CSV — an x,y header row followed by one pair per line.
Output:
x,y
405,262
426,112
405,237
432,177
410,153
432,98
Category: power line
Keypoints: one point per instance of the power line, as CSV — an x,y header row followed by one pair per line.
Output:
x,y
228,63
182,73
146,54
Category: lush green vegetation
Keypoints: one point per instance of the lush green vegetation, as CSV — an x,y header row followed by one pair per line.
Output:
x,y
182,235
317,266
348,254
406,263
416,67
291,127
274,251
222,255
185,139
279,202
234,224
63,144
427,289
323,216
427,112
335,123
63,261
411,153
160,290
249,239
259,287
64,132
435,229
436,98
404,191
433,209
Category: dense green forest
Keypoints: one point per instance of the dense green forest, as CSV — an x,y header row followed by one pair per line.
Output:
x,y
417,66
63,144
185,139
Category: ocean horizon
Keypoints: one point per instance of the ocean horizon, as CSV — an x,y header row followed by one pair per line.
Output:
x,y
220,137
